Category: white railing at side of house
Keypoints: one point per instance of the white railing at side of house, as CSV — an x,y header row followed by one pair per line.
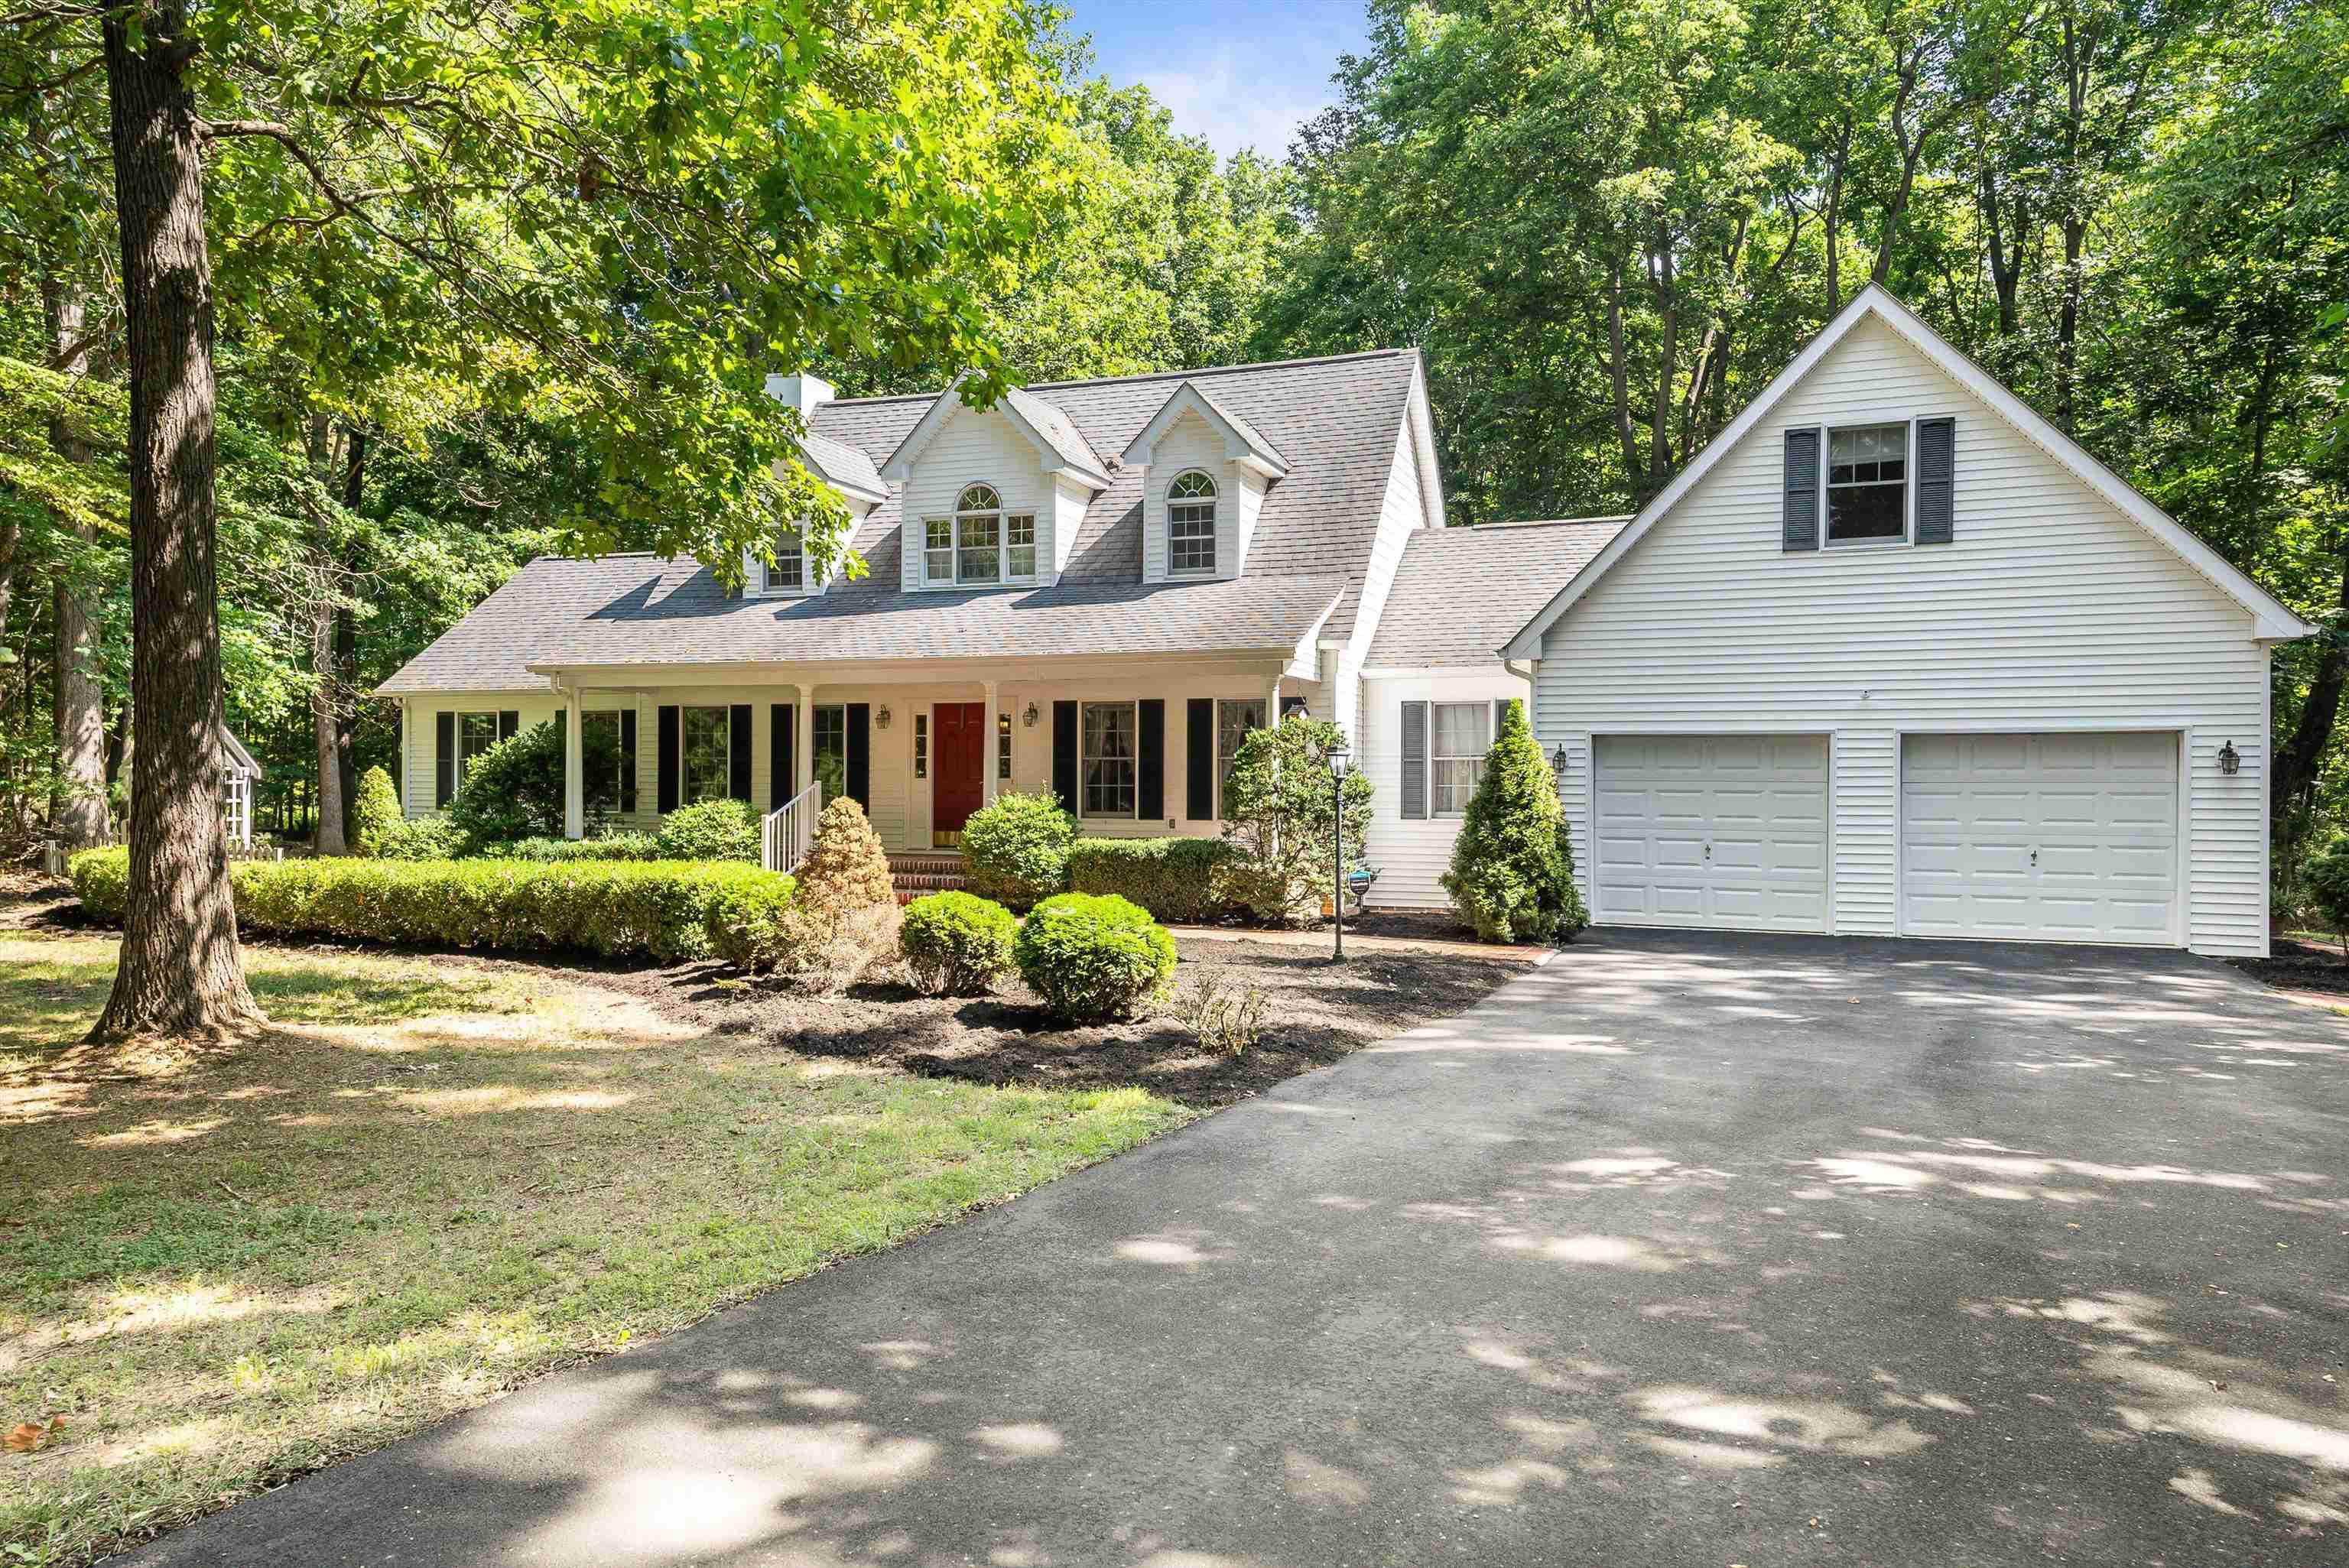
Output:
x,y
790,831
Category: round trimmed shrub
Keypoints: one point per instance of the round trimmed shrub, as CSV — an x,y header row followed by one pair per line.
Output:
x,y
1093,956
514,790
710,830
1016,851
750,923
957,944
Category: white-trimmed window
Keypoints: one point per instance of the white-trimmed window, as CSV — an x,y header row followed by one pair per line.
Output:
x,y
1459,733
1868,484
1109,756
1191,524
789,573
476,732
980,544
608,750
708,755
1235,717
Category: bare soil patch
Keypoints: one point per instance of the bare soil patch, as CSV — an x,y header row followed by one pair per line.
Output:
x,y
2299,965
1315,1013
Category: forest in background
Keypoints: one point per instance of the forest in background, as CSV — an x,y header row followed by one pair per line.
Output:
x,y
1605,225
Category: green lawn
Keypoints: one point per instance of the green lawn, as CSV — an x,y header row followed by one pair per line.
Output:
x,y
428,1184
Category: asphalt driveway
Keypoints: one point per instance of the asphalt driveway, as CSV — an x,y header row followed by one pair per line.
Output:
x,y
1684,1250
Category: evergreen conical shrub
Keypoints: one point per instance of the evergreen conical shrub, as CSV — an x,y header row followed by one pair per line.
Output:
x,y
1512,875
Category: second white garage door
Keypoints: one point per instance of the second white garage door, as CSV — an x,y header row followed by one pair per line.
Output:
x,y
2066,838
1718,830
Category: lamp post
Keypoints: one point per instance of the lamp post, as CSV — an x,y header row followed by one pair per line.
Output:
x,y
1337,757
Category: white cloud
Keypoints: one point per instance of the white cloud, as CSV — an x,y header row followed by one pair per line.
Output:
x,y
1238,102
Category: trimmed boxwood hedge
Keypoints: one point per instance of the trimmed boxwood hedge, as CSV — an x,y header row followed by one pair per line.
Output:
x,y
1091,957
1171,878
656,909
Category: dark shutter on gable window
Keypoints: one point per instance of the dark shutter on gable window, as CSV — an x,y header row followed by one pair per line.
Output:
x,y
629,760
1937,464
444,759
859,761
508,722
670,758
1414,762
1199,759
1064,753
782,771
737,752
1150,759
1801,517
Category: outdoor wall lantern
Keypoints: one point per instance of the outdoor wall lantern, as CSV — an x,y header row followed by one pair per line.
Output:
x,y
1557,758
880,716
1029,718
2231,761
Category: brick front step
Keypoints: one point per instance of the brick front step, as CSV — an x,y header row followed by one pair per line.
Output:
x,y
919,874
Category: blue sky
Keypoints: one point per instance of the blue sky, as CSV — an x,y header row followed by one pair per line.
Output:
x,y
1239,75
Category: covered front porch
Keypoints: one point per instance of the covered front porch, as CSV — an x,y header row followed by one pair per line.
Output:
x,y
1137,747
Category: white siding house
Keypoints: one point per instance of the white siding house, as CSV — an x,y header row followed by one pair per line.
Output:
x,y
2049,721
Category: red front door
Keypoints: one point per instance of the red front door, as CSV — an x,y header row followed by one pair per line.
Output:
x,y
956,780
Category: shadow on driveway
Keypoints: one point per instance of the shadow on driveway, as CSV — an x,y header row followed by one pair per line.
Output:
x,y
1685,1250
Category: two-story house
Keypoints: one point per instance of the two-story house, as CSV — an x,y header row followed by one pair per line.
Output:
x,y
1891,655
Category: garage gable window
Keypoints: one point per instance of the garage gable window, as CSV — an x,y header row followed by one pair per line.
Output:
x,y
1461,732
1867,484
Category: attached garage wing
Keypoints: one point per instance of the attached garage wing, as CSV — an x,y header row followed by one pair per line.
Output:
x,y
1711,831
2052,837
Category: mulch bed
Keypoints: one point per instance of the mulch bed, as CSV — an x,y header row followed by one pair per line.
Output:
x,y
1315,1013
2300,966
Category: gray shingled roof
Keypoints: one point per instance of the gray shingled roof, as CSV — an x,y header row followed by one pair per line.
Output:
x,y
1335,421
1460,592
843,464
1247,432
640,609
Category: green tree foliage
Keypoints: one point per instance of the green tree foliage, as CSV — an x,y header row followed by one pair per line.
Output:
x,y
1512,875
376,814
1280,814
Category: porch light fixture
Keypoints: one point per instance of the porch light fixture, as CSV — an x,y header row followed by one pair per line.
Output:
x,y
880,716
1029,718
2231,761
1557,758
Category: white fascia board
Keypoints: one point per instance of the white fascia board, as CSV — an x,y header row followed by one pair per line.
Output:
x,y
2272,622
1305,659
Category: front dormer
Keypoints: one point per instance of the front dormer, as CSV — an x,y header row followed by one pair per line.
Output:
x,y
851,475
992,497
1207,473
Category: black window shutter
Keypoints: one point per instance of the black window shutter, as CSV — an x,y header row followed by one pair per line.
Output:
x,y
1414,762
1802,521
1937,464
1064,753
737,752
1199,758
783,741
444,759
629,760
860,755
1150,759
670,758
508,722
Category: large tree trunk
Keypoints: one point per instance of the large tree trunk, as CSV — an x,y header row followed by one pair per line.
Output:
x,y
80,818
327,837
346,642
2302,758
181,973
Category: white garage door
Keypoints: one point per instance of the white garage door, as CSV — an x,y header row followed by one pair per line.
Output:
x,y
1722,830
2067,837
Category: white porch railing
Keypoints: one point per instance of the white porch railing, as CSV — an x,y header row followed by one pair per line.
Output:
x,y
789,831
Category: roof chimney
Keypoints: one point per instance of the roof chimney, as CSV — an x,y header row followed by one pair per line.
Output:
x,y
804,392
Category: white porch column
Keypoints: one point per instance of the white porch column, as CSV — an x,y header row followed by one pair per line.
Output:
x,y
989,745
803,749
574,782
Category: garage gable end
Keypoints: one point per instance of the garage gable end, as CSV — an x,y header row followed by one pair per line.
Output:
x,y
1924,380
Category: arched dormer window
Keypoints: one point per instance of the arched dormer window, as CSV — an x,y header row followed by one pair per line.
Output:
x,y
1191,524
981,543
